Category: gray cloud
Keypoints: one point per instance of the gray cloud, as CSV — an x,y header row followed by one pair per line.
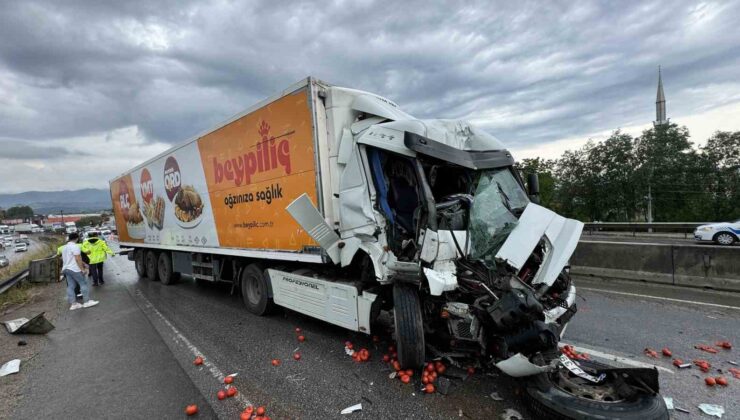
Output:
x,y
531,73
28,150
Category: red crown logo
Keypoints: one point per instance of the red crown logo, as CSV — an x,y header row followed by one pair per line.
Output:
x,y
264,130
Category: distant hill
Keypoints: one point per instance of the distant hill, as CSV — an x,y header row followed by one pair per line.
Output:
x,y
45,202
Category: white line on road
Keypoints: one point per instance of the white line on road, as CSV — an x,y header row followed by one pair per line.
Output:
x,y
178,336
616,358
659,298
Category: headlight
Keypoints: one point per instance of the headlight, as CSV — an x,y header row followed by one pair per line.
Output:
x,y
704,229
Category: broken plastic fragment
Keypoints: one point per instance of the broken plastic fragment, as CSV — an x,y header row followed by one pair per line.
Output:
x,y
13,366
712,409
36,325
352,409
511,414
494,396
668,402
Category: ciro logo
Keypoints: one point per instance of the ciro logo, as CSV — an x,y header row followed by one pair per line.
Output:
x,y
124,199
147,186
172,177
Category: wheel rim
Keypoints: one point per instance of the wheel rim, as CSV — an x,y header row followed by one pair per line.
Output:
x,y
574,385
724,239
254,291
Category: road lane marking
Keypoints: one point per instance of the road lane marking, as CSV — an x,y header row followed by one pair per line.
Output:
x,y
615,358
716,305
178,336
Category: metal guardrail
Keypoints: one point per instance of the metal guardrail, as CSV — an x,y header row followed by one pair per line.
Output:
x,y
634,227
7,284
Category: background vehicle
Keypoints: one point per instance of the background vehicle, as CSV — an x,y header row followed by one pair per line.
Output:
x,y
336,204
70,227
4,262
4,229
723,233
21,247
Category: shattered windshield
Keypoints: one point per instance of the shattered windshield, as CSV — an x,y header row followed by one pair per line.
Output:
x,y
499,200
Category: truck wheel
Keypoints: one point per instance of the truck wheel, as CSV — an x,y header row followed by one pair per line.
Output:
x,y
253,282
151,265
562,395
724,238
164,269
139,263
409,326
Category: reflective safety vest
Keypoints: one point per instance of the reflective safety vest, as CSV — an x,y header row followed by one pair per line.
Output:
x,y
96,249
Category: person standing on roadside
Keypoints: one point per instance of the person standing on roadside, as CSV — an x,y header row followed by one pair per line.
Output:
x,y
98,252
74,269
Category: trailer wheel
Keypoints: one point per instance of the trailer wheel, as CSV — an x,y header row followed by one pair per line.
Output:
x,y
139,263
409,326
254,288
164,269
151,265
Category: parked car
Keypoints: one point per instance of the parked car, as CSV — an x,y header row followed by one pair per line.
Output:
x,y
4,262
21,247
723,233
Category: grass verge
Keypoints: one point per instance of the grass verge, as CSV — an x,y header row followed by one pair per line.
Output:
x,y
20,293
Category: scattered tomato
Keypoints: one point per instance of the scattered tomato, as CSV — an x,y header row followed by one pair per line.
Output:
x,y
396,366
301,338
425,379
710,381
667,352
191,409
228,379
677,362
231,392
429,389
394,355
297,356
245,416
198,361
471,371
405,378
721,380
433,376
391,348
276,362
430,367
260,411
386,358
221,394
441,369
297,330
348,345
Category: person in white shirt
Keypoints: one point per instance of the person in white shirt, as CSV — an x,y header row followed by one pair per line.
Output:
x,y
75,271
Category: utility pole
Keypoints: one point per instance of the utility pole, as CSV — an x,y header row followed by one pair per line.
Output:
x,y
650,207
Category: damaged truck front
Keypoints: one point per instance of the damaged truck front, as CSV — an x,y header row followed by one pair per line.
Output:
x,y
436,210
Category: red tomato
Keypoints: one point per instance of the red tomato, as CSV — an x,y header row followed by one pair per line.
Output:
x,y
710,381
245,416
433,376
301,338
405,378
386,358
396,366
430,367
228,379
260,411
721,380
297,330
666,352
221,394
429,389
409,372
275,362
297,356
198,361
348,345
249,410
394,355
425,379
231,392
364,356
471,371
191,409
441,368
391,348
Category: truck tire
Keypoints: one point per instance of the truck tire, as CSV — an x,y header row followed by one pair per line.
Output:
x,y
139,263
151,265
554,396
164,269
409,326
254,287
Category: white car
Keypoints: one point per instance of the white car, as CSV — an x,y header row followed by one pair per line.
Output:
x,y
21,247
723,233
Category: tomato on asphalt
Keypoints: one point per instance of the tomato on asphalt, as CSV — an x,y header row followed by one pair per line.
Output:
x,y
260,411
297,356
405,378
429,389
231,392
191,409
710,381
198,361
221,394
228,380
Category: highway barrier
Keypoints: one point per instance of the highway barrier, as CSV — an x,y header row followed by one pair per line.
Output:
x,y
702,266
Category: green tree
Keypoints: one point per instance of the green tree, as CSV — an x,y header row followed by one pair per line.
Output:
x,y
19,212
89,221
721,159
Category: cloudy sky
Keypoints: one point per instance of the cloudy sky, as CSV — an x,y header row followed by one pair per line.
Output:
x,y
90,88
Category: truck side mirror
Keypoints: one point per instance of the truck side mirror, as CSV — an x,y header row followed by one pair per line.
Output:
x,y
533,187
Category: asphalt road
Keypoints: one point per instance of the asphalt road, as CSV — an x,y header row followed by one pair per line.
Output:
x,y
14,256
206,320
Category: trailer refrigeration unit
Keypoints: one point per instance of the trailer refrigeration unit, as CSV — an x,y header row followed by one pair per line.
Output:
x,y
335,203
